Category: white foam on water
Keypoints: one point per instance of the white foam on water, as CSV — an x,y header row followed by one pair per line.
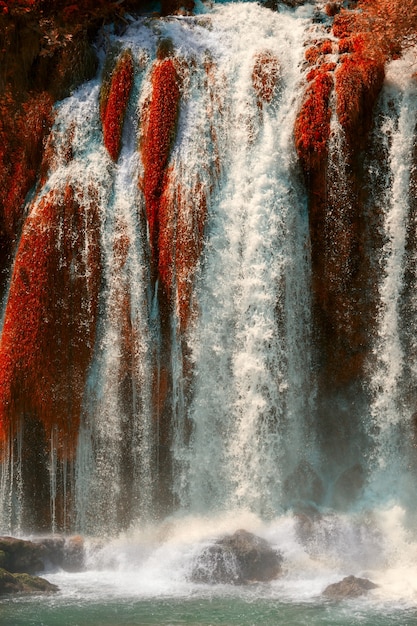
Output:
x,y
157,561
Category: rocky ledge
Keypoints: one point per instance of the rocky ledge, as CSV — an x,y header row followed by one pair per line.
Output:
x,y
21,560
24,583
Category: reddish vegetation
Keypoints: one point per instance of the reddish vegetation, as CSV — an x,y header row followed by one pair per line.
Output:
x,y
312,127
159,133
21,136
265,76
120,311
113,107
315,53
22,5
182,218
368,36
49,326
358,83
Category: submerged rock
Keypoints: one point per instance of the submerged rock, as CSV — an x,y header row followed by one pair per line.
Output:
x,y
237,559
349,587
24,583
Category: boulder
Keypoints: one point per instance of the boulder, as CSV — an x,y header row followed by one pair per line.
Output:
x,y
20,556
24,583
349,587
237,559
32,557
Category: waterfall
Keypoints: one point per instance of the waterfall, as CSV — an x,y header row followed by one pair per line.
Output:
x,y
173,360
248,345
247,387
393,369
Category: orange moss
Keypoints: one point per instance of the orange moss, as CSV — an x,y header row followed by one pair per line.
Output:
x,y
22,131
314,53
345,24
312,127
332,8
182,219
388,25
265,76
159,133
49,325
316,71
114,107
358,83
192,215
326,47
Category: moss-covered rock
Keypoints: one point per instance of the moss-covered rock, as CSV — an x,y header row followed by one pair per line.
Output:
x,y
24,583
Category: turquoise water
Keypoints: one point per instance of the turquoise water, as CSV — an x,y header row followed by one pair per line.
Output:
x,y
203,611
144,577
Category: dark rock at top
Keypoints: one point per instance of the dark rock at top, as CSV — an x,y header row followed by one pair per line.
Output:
x,y
237,559
349,587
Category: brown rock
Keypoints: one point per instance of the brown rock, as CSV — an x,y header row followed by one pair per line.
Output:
x,y
24,583
237,559
20,556
349,587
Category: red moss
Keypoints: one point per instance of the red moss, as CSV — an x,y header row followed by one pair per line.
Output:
x,y
344,24
182,219
22,131
190,230
326,47
265,76
114,108
159,133
316,71
345,45
312,54
49,325
312,127
358,83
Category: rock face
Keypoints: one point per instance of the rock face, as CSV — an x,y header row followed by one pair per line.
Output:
x,y
237,559
19,556
349,587
24,583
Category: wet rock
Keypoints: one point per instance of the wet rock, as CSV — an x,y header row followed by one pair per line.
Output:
x,y
32,557
348,486
73,554
304,485
21,556
237,559
349,587
306,520
66,553
24,583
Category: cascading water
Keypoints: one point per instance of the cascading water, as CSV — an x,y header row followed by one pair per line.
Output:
x,y
203,405
249,345
391,374
246,346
